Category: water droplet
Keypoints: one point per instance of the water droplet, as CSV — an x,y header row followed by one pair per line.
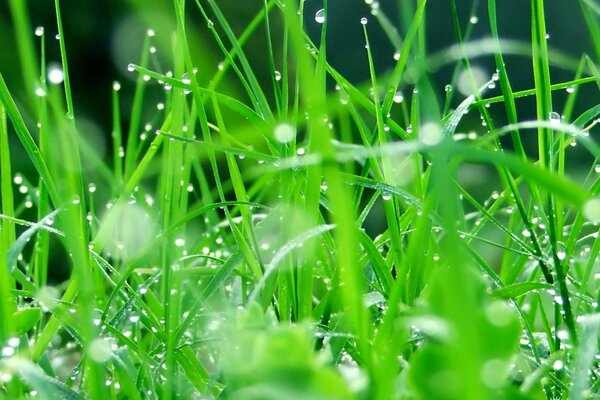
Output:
x,y
48,297
134,318
474,20
179,242
397,55
555,118
320,16
55,73
277,75
558,365
591,210
284,132
40,92
92,188
39,31
185,79
448,88
570,89
150,33
100,350
469,81
430,134
130,67
364,21
398,97
499,313
526,233
116,86
386,196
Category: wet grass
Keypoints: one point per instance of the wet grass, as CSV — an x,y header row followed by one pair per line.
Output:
x,y
279,239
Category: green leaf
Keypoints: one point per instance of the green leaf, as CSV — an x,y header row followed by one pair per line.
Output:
x,y
24,320
48,388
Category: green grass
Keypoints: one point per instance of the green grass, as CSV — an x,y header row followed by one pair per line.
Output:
x,y
274,239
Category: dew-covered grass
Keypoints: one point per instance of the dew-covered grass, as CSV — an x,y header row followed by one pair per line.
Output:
x,y
303,236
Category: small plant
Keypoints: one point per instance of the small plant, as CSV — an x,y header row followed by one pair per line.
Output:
x,y
304,236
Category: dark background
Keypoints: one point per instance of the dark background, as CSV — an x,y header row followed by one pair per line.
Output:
x,y
102,37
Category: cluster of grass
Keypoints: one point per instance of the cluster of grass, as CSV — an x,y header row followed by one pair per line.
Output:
x,y
220,251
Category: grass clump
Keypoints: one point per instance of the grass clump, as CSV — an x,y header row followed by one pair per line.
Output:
x,y
303,236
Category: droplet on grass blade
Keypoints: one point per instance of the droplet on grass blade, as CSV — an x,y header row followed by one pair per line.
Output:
x,y
320,16
555,118
364,21
39,31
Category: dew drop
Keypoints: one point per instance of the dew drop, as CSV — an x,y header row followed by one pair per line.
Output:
x,y
277,76
39,31
570,89
284,132
364,21
320,16
555,118
398,97
55,73
474,20
130,67
116,86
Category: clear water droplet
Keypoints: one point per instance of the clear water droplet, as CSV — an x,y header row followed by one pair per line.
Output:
x,y
130,67
116,86
555,118
284,132
39,31
55,74
474,20
364,21
277,75
398,97
320,16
